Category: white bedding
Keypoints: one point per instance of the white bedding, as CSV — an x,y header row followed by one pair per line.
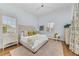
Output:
x,y
34,42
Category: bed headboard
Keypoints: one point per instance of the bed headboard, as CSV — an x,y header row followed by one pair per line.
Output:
x,y
26,27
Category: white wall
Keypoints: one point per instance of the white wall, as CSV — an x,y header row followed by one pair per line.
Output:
x,y
60,17
23,18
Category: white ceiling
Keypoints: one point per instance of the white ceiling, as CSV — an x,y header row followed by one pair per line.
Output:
x,y
36,9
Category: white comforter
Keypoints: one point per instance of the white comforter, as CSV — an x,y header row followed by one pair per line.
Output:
x,y
39,40
35,40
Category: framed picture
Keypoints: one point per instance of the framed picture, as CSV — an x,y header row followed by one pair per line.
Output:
x,y
41,28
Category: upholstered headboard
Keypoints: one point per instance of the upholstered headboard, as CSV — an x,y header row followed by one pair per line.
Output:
x,y
22,28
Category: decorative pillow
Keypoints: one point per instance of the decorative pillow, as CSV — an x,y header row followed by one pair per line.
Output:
x,y
30,33
34,32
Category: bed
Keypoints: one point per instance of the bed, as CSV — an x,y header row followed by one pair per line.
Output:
x,y
34,42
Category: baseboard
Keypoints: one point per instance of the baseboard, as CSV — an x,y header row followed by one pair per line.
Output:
x,y
57,39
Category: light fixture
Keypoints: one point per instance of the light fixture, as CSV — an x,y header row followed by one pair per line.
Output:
x,y
42,5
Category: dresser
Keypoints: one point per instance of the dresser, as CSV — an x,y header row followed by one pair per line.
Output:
x,y
8,31
67,35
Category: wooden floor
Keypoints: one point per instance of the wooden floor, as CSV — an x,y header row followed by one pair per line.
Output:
x,y
66,50
7,50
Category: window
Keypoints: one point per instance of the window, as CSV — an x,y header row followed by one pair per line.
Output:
x,y
50,26
9,21
9,24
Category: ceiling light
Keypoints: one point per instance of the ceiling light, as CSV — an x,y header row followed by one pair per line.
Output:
x,y
42,5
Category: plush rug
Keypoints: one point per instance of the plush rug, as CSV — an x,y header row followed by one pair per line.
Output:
x,y
51,48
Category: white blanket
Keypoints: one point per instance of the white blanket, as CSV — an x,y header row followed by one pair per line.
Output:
x,y
35,40
40,39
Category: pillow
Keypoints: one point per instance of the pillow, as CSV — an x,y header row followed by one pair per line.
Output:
x,y
30,33
34,32
24,33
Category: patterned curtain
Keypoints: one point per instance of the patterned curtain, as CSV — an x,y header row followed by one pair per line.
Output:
x,y
74,30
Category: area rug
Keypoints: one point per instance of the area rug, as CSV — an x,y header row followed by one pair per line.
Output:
x,y
51,48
